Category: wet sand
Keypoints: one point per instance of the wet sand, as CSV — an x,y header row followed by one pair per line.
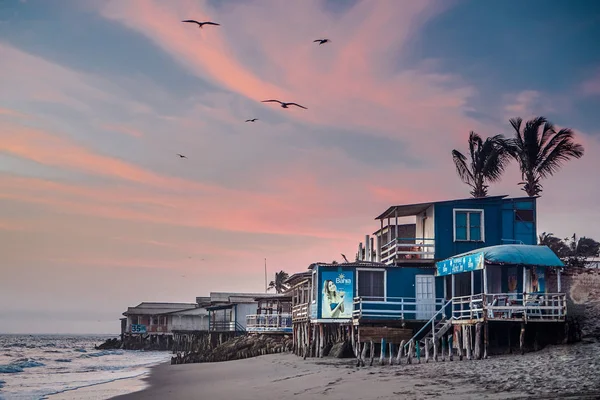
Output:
x,y
569,371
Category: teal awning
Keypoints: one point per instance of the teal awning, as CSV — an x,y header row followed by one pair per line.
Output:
x,y
508,254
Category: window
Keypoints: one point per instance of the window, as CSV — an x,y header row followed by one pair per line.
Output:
x,y
524,215
468,225
371,284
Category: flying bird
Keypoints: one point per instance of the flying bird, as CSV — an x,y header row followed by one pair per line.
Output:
x,y
284,105
252,120
181,155
322,41
201,24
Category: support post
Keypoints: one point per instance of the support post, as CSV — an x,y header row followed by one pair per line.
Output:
x,y
382,352
364,354
453,294
372,355
459,342
409,355
472,283
445,287
357,354
478,341
558,282
400,353
418,351
426,350
468,342
450,355
443,338
485,339
522,338
391,354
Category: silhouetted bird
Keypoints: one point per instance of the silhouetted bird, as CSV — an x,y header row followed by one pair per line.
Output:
x,y
345,259
201,24
252,120
322,41
181,155
284,105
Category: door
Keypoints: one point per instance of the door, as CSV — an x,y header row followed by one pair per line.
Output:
x,y
425,296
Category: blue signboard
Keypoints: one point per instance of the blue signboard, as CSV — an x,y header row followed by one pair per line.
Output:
x,y
338,293
457,265
138,328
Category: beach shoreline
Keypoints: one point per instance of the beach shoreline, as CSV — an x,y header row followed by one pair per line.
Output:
x,y
556,372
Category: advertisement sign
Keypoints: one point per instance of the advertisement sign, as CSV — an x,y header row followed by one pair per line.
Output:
x,y
471,262
138,328
338,293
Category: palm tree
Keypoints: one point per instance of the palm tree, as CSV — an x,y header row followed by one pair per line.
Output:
x,y
540,151
278,284
487,162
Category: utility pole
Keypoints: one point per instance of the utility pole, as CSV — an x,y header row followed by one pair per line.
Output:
x,y
265,275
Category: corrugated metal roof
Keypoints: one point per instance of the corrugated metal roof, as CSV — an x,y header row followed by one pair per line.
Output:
x,y
518,254
355,264
154,308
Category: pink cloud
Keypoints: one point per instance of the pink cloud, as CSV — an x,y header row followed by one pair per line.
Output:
x,y
126,130
592,85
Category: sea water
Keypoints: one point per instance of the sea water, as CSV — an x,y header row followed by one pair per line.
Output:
x,y
36,366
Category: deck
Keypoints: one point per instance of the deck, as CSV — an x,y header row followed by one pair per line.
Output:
x,y
408,250
534,307
269,323
394,308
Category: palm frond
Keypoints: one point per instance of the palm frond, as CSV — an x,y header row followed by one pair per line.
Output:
x,y
462,169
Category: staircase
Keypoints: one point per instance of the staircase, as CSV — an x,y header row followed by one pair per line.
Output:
x,y
440,325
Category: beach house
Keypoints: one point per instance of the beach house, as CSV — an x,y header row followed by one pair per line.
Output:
x,y
273,315
227,311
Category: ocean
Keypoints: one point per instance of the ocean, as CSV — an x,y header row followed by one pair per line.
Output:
x,y
68,366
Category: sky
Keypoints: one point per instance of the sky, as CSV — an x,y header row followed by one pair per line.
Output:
x,y
97,211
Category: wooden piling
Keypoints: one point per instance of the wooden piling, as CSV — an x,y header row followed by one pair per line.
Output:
x,y
459,342
321,341
357,353
450,354
435,350
400,353
409,355
522,339
443,338
485,340
372,355
364,354
353,341
418,351
426,350
391,354
468,342
382,352
478,341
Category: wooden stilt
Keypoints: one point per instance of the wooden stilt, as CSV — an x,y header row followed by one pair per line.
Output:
x,y
409,355
364,354
450,354
459,342
426,350
485,340
418,351
353,342
400,353
321,341
357,352
391,354
522,339
382,352
443,338
435,350
478,341
372,354
468,343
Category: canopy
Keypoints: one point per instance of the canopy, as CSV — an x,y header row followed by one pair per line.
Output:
x,y
507,254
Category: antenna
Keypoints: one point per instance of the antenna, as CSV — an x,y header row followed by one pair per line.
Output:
x,y
265,275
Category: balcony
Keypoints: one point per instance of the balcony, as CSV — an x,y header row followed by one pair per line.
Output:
x,y
408,250
300,312
394,308
269,323
543,307
225,326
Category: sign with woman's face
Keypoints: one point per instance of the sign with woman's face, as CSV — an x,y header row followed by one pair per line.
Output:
x,y
338,293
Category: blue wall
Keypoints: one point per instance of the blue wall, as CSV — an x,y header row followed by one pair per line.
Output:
x,y
499,223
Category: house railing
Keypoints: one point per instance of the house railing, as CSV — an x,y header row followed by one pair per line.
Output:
x,y
226,326
407,249
300,312
439,315
395,308
269,323
510,307
157,328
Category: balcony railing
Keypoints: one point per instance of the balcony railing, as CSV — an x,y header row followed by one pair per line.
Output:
x,y
510,307
269,323
225,326
395,308
408,250
300,312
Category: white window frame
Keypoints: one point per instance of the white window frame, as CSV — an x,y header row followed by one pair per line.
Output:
x,y
373,270
313,287
468,210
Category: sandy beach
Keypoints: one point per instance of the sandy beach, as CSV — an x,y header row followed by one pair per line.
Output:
x,y
569,371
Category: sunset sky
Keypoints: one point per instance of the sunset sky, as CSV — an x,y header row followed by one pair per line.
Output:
x,y
98,213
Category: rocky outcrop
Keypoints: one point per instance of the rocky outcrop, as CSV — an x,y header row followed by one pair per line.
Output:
x,y
237,348
110,344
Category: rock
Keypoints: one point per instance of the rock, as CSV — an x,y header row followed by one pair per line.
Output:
x,y
341,350
110,344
